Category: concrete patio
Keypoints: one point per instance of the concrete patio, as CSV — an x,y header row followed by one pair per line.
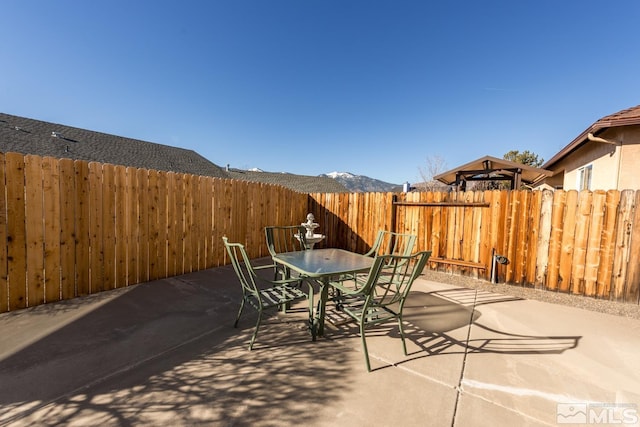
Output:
x,y
166,353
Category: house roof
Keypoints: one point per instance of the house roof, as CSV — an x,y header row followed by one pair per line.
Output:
x,y
28,136
628,117
488,168
299,183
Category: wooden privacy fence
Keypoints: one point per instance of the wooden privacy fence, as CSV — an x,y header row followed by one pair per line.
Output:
x,y
73,228
585,243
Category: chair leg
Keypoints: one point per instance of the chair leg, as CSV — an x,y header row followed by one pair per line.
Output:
x,y
284,307
235,325
364,347
255,332
313,326
285,275
404,343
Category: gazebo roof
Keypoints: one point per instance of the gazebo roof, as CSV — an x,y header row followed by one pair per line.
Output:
x,y
489,168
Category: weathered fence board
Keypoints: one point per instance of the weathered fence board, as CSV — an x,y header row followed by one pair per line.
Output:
x,y
595,235
476,246
544,239
83,228
109,225
568,241
608,245
34,231
500,209
66,194
52,230
144,269
555,242
581,240
96,248
152,225
218,253
523,235
206,231
16,233
632,286
534,221
4,284
485,247
622,245
120,184
132,226
162,224
437,231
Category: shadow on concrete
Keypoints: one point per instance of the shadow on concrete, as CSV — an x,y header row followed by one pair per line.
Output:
x,y
166,352
438,323
434,315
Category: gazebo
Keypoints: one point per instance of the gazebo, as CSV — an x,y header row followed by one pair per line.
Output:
x,y
489,168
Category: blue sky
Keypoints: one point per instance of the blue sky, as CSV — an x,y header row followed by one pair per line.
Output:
x,y
315,86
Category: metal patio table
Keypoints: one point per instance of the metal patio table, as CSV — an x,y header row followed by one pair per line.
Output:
x,y
321,265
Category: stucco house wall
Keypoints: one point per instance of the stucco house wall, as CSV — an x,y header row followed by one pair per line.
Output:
x,y
630,160
614,165
603,158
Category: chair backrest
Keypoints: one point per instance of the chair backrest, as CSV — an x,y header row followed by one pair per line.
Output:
x,y
289,238
390,243
391,277
242,266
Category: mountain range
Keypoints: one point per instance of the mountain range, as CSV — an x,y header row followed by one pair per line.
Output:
x,y
361,183
356,183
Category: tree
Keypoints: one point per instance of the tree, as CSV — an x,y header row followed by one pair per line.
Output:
x,y
435,166
526,158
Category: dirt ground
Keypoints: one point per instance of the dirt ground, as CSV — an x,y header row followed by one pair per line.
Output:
x,y
587,303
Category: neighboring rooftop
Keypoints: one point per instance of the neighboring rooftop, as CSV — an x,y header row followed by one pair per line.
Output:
x,y
627,117
29,136
299,183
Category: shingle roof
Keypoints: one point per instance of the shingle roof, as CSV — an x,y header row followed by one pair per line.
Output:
x,y
630,116
627,117
28,136
299,183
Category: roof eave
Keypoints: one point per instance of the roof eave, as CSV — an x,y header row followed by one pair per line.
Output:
x,y
600,125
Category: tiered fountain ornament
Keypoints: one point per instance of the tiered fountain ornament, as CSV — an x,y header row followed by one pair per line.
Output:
x,y
311,237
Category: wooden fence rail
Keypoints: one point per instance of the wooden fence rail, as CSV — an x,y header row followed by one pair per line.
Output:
x,y
585,243
74,228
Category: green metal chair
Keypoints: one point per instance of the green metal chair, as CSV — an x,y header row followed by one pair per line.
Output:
x,y
386,243
382,296
263,294
390,243
288,238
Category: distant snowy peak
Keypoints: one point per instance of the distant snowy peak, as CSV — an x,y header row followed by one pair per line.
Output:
x,y
355,183
359,183
335,175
